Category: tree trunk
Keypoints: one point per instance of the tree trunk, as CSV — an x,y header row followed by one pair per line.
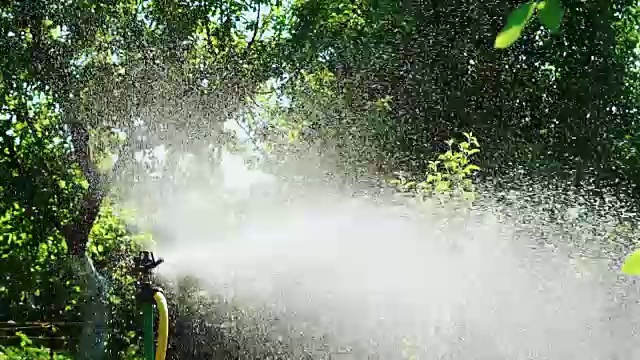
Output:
x,y
77,231
76,234
95,311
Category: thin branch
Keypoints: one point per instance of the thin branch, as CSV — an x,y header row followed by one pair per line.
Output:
x,y
255,32
253,141
209,39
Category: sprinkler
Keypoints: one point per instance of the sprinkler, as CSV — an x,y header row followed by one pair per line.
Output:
x,y
147,296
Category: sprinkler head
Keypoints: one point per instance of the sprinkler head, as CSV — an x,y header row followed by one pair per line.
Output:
x,y
144,265
146,262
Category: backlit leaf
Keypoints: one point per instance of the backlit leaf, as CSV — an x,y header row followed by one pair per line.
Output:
x,y
516,22
550,13
631,265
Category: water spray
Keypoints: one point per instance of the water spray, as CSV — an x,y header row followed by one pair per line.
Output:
x,y
147,296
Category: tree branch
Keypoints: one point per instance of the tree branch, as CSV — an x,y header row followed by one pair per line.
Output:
x,y
209,39
253,141
255,32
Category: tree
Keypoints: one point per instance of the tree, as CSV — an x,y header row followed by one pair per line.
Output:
x,y
98,63
76,79
533,104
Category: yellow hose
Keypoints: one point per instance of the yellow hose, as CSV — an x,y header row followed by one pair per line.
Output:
x,y
163,326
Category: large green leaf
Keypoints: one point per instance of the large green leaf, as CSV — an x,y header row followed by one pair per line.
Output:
x,y
516,22
631,265
550,13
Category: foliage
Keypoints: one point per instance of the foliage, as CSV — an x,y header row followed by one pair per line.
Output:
x,y
308,116
551,15
113,247
533,103
102,66
47,291
29,353
26,351
356,77
41,190
76,79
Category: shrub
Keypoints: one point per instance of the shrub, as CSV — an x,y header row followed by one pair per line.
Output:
x,y
29,353
449,175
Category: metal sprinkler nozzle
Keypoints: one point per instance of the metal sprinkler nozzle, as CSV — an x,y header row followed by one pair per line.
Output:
x,y
146,263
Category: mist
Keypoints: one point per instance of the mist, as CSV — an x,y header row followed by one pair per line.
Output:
x,y
320,273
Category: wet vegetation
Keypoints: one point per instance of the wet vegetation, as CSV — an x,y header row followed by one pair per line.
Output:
x,y
423,95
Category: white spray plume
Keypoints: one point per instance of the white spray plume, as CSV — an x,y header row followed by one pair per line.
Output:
x,y
334,276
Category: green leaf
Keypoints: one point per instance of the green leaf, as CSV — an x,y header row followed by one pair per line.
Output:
x,y
550,13
55,32
106,164
470,168
631,265
516,22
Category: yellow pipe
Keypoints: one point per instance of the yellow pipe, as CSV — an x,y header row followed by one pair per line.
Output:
x,y
163,326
